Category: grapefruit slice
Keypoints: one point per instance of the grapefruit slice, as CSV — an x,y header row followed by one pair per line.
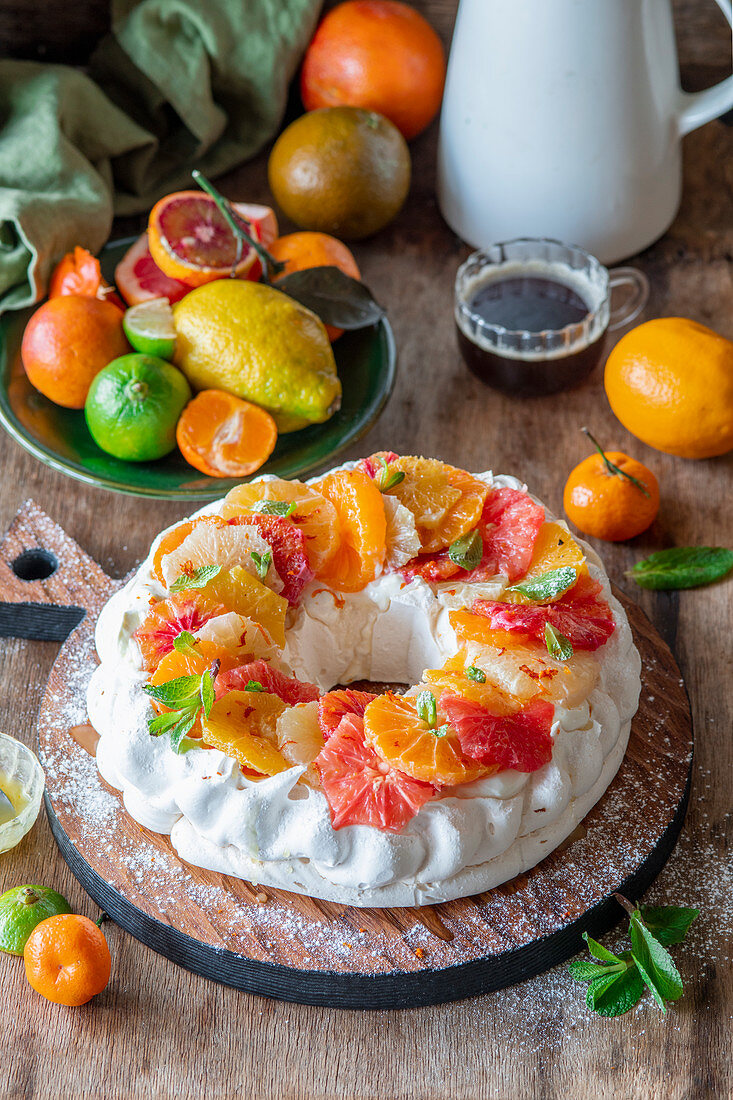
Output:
x,y
314,515
139,279
398,735
190,239
166,620
361,789
521,740
335,705
288,688
579,614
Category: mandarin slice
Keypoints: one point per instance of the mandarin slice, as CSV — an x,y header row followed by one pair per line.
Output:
x,y
363,528
555,548
426,490
395,731
243,724
314,515
238,591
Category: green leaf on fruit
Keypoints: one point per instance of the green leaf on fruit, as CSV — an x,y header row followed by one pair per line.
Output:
x,y
274,507
198,579
333,296
548,586
476,674
427,709
387,480
467,551
558,646
262,562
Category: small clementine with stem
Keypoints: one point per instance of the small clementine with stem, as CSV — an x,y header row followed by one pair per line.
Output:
x,y
610,495
67,959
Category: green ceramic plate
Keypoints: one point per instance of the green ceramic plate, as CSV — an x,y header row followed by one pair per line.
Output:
x,y
59,437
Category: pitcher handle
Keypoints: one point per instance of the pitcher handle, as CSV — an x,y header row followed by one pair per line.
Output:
x,y
700,107
634,302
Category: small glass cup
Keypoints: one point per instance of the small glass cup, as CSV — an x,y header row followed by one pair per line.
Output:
x,y
22,768
528,363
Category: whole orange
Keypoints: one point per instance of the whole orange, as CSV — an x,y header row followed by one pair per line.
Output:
x,y
377,54
67,959
670,383
299,251
67,342
611,496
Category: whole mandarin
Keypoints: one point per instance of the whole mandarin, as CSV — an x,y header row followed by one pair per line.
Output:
x,y
67,959
670,383
611,496
378,54
67,342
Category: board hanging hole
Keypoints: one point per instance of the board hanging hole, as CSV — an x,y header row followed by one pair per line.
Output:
x,y
35,565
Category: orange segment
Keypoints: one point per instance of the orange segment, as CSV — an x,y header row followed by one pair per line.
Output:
x,y
223,436
395,731
446,502
314,515
243,724
555,548
363,527
172,539
452,679
238,591
476,628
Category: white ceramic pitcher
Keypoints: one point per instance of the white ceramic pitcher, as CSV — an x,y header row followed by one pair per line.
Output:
x,y
563,118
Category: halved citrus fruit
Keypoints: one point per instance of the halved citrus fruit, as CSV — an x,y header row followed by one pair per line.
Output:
x,y
314,515
363,529
166,620
190,239
288,688
361,789
521,740
335,705
243,725
224,436
139,279
394,729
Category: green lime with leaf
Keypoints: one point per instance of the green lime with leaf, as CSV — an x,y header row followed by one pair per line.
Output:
x,y
149,328
21,909
133,407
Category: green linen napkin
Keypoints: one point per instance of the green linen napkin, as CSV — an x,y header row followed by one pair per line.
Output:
x,y
177,83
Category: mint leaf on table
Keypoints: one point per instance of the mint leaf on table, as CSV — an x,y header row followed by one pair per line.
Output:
x,y
617,982
333,296
682,567
547,586
614,994
467,551
668,923
198,579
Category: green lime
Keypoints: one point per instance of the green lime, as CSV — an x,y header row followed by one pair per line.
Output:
x,y
21,909
149,328
133,407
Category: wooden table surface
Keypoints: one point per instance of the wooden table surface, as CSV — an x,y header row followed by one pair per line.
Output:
x,y
158,1031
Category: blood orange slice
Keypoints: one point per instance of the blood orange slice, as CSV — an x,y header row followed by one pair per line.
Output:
x,y
139,279
579,614
288,688
361,788
166,620
314,515
335,705
289,557
190,239
398,735
521,740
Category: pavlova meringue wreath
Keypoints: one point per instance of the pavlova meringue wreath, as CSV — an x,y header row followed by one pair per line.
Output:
x,y
221,721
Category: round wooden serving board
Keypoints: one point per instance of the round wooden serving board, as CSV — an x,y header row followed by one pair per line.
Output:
x,y
301,949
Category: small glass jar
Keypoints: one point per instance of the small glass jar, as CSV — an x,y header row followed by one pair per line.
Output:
x,y
531,362
20,767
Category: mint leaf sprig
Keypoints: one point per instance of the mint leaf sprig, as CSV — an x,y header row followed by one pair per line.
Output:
x,y
199,578
682,567
617,982
186,698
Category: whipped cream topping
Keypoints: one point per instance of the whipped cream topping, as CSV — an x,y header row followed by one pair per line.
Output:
x,y
278,832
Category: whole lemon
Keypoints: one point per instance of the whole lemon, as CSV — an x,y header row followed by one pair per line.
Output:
x,y
340,170
670,383
259,344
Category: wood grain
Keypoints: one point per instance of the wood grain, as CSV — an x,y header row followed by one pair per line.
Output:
x,y
315,952
159,1031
